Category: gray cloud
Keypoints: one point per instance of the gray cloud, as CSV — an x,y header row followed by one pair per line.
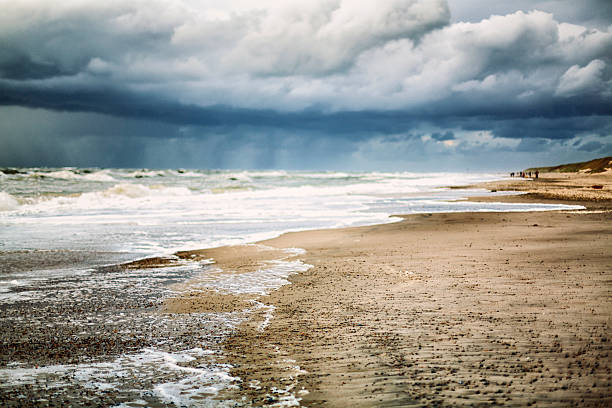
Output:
x,y
326,55
592,13
591,146
580,80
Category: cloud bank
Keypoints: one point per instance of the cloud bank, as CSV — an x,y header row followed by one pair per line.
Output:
x,y
344,74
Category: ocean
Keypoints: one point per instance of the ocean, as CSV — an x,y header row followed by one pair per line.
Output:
x,y
96,328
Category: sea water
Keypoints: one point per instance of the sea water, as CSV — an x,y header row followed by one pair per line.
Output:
x,y
62,230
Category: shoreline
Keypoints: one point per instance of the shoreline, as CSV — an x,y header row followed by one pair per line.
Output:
x,y
448,308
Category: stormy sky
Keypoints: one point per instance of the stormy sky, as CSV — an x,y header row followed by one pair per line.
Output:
x,y
305,84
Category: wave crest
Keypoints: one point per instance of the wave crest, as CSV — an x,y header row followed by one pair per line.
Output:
x,y
133,190
101,175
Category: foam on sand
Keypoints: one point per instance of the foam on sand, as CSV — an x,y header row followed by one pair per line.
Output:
x,y
200,378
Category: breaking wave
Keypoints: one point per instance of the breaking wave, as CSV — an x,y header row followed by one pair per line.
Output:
x,y
122,195
139,190
67,174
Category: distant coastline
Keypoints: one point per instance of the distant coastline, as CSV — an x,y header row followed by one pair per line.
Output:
x,y
586,183
600,165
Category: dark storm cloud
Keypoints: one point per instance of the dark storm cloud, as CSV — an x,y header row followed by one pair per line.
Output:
x,y
448,135
561,119
121,104
533,145
591,146
552,128
17,65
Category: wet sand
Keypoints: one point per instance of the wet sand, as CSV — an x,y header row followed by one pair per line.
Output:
x,y
463,309
76,326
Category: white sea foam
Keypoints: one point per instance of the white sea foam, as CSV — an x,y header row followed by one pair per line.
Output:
x,y
186,173
145,173
196,386
329,175
59,174
260,174
8,202
102,175
261,281
120,197
132,190
268,311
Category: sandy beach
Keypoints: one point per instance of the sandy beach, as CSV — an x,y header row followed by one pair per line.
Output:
x,y
508,309
443,309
